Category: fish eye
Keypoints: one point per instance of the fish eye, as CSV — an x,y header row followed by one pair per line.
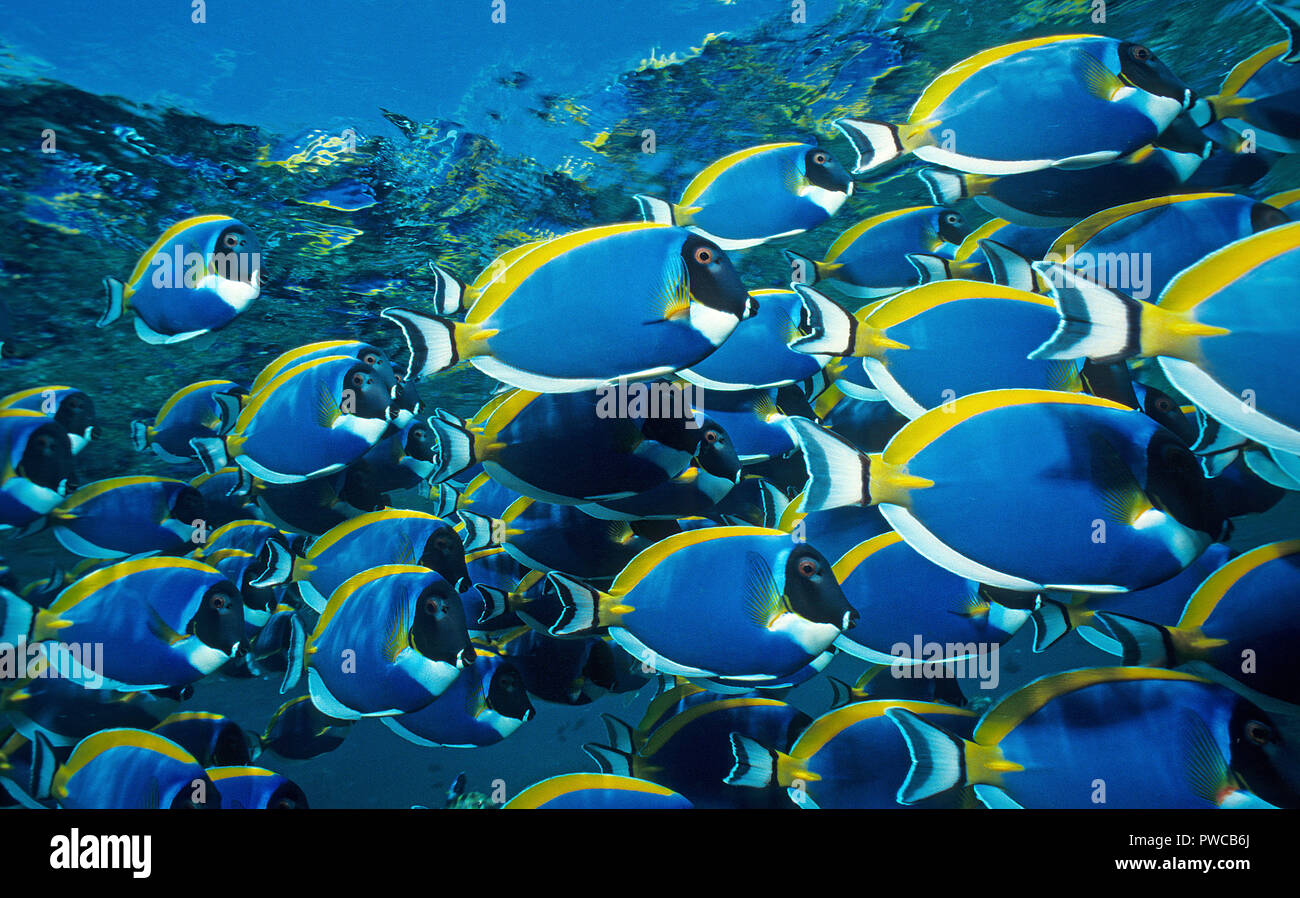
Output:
x,y
711,436
809,567
433,606
1140,53
1164,404
703,255
284,804
231,240
952,218
821,158
1259,733
371,359
218,602
358,379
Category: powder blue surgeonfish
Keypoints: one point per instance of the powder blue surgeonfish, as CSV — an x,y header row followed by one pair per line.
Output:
x,y
390,536
918,350
391,640
311,421
1259,95
195,278
1150,738
547,323
850,757
124,769
757,194
1140,247
870,259
192,411
1079,468
485,704
780,610
128,515
255,788
162,622
35,466
69,406
1224,330
1237,627
1066,101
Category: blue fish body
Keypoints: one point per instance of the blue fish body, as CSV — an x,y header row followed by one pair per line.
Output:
x,y
361,660
757,354
132,769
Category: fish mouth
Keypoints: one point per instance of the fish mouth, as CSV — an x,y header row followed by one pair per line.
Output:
x,y
466,658
850,620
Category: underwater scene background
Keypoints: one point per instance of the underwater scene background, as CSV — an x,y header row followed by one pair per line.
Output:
x,y
471,137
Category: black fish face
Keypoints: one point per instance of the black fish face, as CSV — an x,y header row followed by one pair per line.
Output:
x,y
438,632
1263,216
47,457
824,170
713,279
236,255
813,592
951,227
1140,68
230,748
76,413
188,505
445,553
1176,484
1160,407
1265,753
365,394
287,797
716,453
420,443
219,623
406,396
506,694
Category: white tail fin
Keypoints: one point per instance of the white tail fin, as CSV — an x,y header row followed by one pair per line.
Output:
x,y
431,341
114,304
837,472
755,764
448,292
834,330
938,757
580,605
656,210
1008,267
455,452
140,435
876,143
946,187
930,267
211,452
1141,643
1097,322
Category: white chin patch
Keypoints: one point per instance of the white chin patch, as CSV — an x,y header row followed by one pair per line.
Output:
x,y
435,676
1185,544
1161,110
813,638
39,499
714,324
368,429
830,200
235,294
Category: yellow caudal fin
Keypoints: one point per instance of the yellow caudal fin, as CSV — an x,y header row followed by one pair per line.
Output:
x,y
1106,325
